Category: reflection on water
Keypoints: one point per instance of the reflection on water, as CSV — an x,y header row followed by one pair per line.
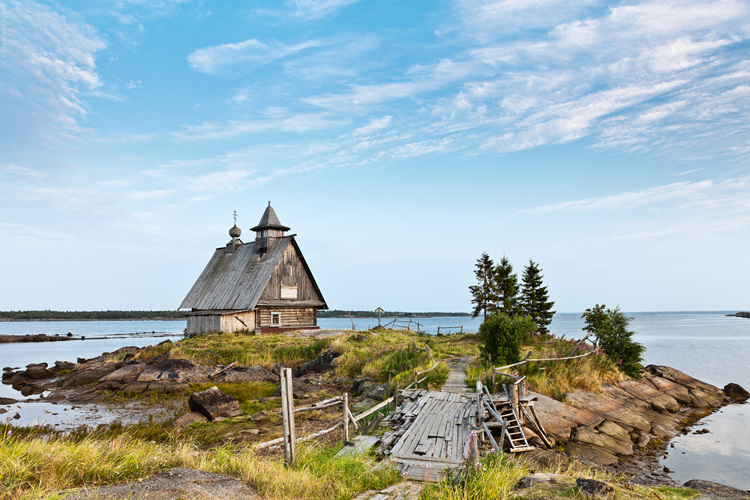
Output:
x,y
722,455
65,417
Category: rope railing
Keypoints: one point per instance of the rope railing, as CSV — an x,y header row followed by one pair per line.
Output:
x,y
497,370
417,380
526,359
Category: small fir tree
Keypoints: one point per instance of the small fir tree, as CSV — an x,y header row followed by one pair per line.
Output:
x,y
535,301
484,294
507,288
610,327
501,337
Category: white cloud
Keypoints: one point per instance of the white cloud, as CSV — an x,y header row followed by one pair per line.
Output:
x,y
730,194
295,124
622,74
213,59
374,125
155,194
26,172
49,66
314,9
133,85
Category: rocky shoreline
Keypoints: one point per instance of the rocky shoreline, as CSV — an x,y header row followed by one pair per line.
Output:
x,y
624,429
38,337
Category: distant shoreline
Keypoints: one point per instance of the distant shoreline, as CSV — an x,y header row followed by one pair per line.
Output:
x,y
37,320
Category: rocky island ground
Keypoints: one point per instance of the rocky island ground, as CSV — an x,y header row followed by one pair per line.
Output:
x,y
594,415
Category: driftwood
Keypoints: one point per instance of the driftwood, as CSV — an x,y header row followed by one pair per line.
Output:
x,y
317,407
216,374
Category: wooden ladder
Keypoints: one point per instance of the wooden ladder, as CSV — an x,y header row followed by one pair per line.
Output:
x,y
513,431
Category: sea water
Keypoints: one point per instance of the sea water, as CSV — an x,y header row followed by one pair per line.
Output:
x,y
709,346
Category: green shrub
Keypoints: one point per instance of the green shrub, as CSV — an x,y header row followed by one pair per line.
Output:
x,y
502,336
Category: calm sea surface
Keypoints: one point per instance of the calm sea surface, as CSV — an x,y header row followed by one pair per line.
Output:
x,y
709,346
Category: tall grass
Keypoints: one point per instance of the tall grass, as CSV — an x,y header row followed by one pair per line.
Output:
x,y
37,467
246,350
554,378
493,476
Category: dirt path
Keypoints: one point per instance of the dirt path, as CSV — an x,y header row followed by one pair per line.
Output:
x,y
456,382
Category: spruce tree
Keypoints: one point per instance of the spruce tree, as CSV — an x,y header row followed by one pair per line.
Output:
x,y
507,288
484,294
535,298
613,336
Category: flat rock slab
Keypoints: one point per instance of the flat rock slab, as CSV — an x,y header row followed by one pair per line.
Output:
x,y
715,491
174,484
187,419
362,444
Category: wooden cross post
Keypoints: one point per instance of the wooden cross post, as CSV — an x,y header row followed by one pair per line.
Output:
x,y
287,416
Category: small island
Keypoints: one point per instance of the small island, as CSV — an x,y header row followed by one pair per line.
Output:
x,y
741,314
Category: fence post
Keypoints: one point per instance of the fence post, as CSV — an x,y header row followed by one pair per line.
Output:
x,y
438,330
493,378
395,397
346,417
415,378
287,415
462,328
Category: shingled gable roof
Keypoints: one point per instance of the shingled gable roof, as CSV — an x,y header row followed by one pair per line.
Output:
x,y
236,281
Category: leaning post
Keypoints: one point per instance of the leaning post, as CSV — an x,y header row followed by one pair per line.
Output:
x,y
480,409
287,416
346,417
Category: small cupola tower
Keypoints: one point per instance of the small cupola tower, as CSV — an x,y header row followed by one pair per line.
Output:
x,y
267,230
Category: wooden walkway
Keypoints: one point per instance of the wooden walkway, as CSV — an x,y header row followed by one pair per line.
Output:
x,y
437,436
456,382
433,428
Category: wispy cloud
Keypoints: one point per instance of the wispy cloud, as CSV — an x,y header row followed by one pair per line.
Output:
x,y
731,193
374,125
26,172
314,9
295,124
621,75
49,65
213,59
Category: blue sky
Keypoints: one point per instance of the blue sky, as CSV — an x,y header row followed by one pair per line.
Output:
x,y
399,140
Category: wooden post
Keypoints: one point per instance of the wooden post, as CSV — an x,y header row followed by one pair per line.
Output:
x,y
395,397
415,378
346,417
438,330
480,408
493,378
287,416
462,328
